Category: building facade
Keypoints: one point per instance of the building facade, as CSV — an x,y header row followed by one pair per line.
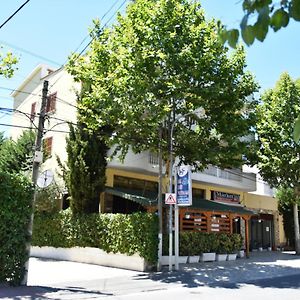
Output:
x,y
233,200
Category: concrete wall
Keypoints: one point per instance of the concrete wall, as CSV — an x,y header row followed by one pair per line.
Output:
x,y
91,256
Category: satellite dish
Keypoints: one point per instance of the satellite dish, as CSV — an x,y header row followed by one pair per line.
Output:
x,y
45,179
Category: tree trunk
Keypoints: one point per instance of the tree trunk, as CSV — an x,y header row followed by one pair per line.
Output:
x,y
296,225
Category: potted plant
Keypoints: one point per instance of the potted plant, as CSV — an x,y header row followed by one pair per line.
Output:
x,y
236,243
184,246
209,247
223,247
195,243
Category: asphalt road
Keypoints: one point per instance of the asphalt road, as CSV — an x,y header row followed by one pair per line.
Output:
x,y
265,276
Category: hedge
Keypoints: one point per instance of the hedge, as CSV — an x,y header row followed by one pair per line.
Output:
x,y
196,242
15,202
126,234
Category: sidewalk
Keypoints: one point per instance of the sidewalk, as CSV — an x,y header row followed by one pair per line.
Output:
x,y
50,279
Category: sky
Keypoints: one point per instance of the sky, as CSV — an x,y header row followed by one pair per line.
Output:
x,y
47,31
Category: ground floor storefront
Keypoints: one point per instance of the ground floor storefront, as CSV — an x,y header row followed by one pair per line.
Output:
x,y
214,209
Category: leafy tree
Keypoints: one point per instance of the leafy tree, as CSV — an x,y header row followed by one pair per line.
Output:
x,y
286,198
159,61
278,154
7,62
84,173
2,139
267,14
16,156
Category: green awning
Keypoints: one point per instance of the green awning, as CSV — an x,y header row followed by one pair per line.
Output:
x,y
209,205
147,198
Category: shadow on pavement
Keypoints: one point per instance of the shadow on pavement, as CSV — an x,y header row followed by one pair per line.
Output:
x,y
274,270
43,292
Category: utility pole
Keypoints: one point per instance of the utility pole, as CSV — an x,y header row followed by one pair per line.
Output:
x,y
159,202
38,158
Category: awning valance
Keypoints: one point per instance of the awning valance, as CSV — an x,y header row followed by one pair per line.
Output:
x,y
147,198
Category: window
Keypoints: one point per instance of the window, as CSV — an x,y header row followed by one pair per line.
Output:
x,y
33,111
48,142
136,184
51,103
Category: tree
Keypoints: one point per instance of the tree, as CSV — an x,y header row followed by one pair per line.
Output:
x,y
16,156
278,154
287,197
159,61
7,62
84,173
267,14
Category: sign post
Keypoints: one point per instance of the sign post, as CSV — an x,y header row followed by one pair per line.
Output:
x,y
183,186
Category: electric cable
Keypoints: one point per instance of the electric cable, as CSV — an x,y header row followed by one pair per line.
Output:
x,y
10,17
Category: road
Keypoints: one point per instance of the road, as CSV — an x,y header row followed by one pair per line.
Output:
x,y
266,276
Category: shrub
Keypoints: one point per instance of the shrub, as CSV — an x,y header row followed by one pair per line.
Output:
x,y
47,199
237,242
225,244
16,196
127,234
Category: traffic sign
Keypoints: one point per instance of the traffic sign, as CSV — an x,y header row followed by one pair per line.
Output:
x,y
170,198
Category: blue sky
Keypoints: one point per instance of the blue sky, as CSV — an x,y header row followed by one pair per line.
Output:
x,y
55,28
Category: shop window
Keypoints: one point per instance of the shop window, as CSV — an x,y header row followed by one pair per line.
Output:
x,y
51,103
135,184
198,193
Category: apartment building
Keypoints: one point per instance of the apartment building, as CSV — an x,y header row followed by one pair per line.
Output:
x,y
235,200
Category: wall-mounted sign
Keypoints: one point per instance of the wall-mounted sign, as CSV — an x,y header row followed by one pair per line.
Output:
x,y
225,197
184,186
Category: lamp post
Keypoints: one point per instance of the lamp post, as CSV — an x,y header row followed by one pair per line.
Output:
x,y
200,112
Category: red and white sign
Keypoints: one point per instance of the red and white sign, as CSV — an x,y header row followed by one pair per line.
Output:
x,y
170,198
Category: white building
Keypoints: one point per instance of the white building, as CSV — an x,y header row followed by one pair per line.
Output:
x,y
239,188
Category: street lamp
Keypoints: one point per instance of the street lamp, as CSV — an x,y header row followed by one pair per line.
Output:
x,y
200,112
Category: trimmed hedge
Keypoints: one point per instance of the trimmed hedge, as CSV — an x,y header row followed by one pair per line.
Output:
x,y
126,234
196,242
15,202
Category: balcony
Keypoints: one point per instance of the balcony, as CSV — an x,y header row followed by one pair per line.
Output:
x,y
147,163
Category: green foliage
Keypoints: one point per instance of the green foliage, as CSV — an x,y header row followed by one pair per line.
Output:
x,y
237,242
127,234
159,61
16,156
7,64
196,242
15,202
84,173
225,245
286,198
268,14
47,199
278,153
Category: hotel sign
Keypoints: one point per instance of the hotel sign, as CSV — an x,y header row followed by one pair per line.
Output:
x,y
225,197
184,186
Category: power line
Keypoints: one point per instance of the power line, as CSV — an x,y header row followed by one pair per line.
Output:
x,y
39,95
9,18
82,51
28,127
30,53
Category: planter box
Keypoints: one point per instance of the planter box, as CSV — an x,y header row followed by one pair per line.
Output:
x,y
221,257
241,254
91,256
208,257
193,259
181,260
231,256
